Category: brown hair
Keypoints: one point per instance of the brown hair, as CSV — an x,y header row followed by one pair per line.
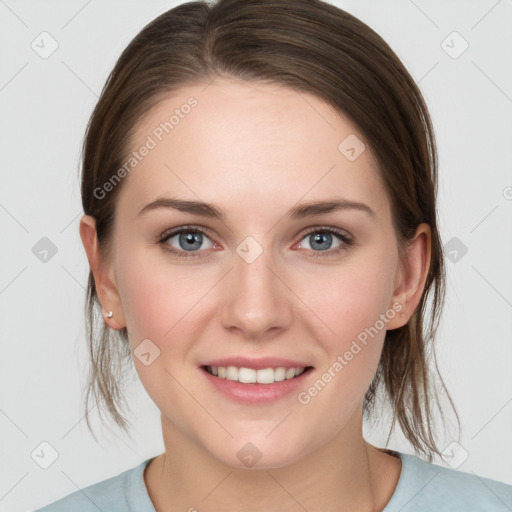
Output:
x,y
310,46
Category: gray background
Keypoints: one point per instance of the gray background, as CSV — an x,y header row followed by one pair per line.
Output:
x,y
45,104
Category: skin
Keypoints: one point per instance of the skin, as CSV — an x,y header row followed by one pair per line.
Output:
x,y
256,151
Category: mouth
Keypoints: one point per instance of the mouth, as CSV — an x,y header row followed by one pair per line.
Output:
x,y
246,375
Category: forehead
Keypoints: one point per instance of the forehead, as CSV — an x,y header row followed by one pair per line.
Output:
x,y
248,145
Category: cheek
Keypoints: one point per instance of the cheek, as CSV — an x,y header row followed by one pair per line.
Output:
x,y
351,297
351,307
158,303
143,300
157,297
353,300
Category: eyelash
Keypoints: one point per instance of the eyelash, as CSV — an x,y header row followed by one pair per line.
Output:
x,y
347,240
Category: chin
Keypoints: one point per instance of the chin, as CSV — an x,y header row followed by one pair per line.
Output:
x,y
260,453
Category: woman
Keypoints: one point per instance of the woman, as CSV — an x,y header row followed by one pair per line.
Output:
x,y
259,189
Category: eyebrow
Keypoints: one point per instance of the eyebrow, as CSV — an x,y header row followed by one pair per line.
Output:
x,y
297,212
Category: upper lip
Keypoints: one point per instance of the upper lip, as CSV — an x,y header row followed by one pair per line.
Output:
x,y
257,363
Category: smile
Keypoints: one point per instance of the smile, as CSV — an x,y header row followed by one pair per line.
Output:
x,y
255,376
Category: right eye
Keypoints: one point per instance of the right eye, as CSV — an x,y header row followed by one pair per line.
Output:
x,y
185,240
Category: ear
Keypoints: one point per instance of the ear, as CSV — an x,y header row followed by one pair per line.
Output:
x,y
411,276
103,273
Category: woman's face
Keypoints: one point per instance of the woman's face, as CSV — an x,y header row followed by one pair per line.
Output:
x,y
269,281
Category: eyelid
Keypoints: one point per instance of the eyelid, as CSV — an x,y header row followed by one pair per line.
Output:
x,y
329,229
175,231
346,238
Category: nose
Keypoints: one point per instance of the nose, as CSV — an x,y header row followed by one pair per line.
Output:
x,y
256,300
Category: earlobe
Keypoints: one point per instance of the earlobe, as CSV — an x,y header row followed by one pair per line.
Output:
x,y
106,288
412,275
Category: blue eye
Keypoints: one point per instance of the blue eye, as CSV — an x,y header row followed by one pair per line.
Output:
x,y
188,241
321,239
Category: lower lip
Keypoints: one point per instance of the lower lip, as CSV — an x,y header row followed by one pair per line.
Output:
x,y
257,393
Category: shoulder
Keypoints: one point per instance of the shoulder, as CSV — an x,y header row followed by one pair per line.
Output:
x,y
424,487
123,492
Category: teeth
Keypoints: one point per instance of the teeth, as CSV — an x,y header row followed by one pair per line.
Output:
x,y
247,375
232,373
279,374
252,376
290,373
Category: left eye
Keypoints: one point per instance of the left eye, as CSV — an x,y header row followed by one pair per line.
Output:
x,y
189,242
322,240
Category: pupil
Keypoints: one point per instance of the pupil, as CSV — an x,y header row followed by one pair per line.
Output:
x,y
319,238
191,239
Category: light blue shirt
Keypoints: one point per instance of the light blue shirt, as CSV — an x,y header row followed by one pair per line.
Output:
x,y
422,487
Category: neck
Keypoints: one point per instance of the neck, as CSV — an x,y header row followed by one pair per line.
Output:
x,y
345,474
